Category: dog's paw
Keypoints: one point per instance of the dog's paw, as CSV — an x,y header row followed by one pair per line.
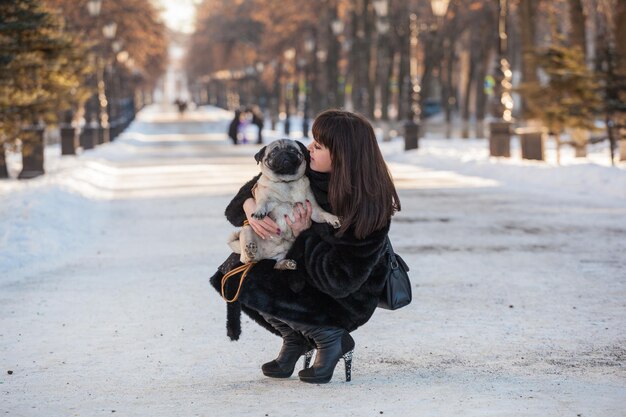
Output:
x,y
251,250
333,221
259,214
286,264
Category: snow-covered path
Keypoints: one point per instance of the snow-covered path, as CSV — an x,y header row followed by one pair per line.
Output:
x,y
519,291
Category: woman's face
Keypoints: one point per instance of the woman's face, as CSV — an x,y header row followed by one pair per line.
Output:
x,y
320,157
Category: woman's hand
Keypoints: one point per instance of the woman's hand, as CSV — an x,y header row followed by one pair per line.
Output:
x,y
302,218
265,228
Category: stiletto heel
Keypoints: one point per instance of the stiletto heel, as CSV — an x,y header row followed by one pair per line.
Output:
x,y
332,344
307,358
347,359
294,346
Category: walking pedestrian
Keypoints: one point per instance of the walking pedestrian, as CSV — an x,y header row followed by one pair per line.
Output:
x,y
181,105
233,128
340,273
257,120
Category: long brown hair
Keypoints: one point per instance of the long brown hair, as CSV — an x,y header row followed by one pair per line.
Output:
x,y
361,191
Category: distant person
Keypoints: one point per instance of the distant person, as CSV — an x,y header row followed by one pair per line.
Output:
x,y
244,122
257,120
233,128
182,106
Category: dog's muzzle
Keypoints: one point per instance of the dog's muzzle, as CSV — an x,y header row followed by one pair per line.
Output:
x,y
285,162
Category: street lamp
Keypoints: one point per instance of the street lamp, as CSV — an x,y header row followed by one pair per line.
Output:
x,y
333,64
89,132
289,55
439,7
309,47
89,135
411,126
337,27
502,104
93,6
381,7
382,61
109,30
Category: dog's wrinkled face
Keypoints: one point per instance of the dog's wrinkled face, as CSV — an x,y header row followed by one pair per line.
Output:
x,y
283,160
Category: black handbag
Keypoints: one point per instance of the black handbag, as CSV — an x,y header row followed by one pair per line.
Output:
x,y
397,290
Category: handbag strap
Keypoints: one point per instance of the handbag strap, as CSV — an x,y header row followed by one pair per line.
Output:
x,y
392,256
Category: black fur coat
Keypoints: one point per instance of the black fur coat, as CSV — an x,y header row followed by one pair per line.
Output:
x,y
337,282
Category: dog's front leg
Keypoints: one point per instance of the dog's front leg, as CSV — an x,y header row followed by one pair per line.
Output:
x,y
285,264
263,207
319,215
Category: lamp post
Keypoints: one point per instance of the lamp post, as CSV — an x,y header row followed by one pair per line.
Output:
x,y
289,55
439,9
334,75
93,7
502,104
259,67
382,28
411,126
108,31
309,47
89,134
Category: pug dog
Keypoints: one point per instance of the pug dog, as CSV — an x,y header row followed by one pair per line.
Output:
x,y
281,185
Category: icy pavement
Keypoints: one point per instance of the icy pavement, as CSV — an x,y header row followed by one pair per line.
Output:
x,y
518,270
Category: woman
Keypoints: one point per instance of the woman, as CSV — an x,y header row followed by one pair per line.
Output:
x,y
340,273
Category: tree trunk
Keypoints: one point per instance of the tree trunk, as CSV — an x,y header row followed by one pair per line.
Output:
x,y
403,73
4,172
275,100
620,35
332,62
370,62
577,21
527,16
468,94
427,77
483,58
352,74
449,97
387,76
481,96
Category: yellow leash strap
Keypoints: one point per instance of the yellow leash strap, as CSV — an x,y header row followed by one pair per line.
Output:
x,y
244,269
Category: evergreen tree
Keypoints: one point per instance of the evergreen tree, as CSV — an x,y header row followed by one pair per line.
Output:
x,y
569,97
41,71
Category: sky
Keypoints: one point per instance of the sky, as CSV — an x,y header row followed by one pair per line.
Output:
x,y
179,14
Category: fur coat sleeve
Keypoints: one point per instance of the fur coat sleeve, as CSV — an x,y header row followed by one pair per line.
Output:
x,y
337,266
234,211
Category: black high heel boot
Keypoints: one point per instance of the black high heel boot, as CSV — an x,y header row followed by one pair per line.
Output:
x,y
294,346
332,344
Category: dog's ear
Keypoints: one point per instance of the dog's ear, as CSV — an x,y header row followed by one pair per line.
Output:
x,y
305,151
260,154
